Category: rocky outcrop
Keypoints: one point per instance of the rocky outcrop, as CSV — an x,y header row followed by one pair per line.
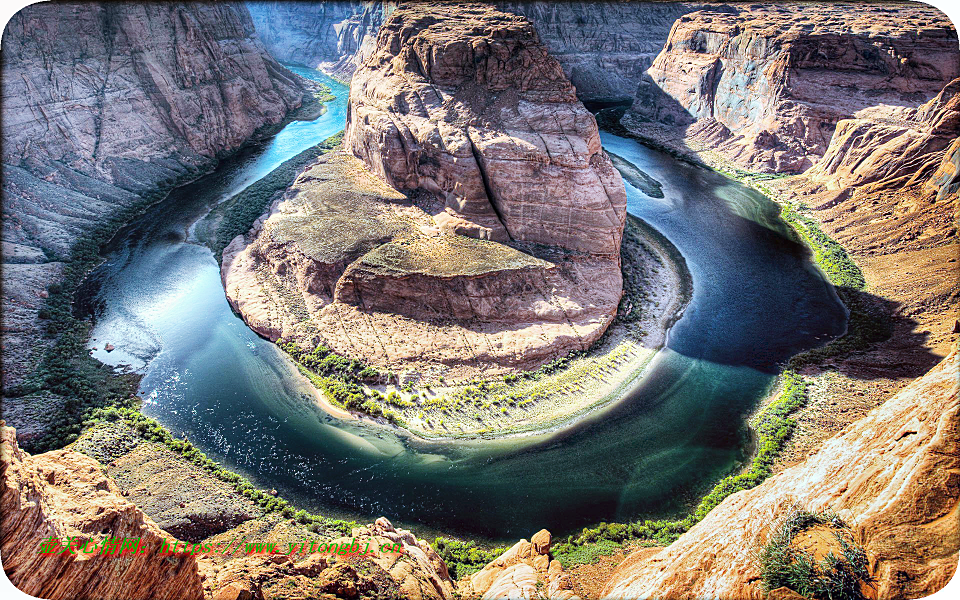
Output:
x,y
604,47
464,103
891,475
385,285
901,163
761,84
334,37
64,494
501,253
103,105
391,563
525,571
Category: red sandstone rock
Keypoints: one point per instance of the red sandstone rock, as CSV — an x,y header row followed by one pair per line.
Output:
x,y
65,494
891,475
464,102
768,84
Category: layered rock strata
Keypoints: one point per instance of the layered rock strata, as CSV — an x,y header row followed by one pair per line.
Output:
x,y
102,105
501,252
334,37
463,102
902,164
604,47
64,494
891,476
524,571
346,261
765,86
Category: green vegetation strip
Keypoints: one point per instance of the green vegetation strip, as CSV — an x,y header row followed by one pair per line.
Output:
x,y
773,426
238,214
152,430
464,558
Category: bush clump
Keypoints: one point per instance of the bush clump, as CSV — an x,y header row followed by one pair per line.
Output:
x,y
834,577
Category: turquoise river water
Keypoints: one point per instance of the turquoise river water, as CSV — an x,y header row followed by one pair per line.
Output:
x,y
757,300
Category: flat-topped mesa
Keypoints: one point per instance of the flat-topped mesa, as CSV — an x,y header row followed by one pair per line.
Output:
x,y
463,103
765,86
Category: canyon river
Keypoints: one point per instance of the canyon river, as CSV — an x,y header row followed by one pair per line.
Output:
x,y
757,299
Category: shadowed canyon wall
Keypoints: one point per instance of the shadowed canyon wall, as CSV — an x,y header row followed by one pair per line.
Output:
x,y
766,85
103,104
334,37
604,47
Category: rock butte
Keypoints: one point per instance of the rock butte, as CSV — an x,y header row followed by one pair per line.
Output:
x,y
503,250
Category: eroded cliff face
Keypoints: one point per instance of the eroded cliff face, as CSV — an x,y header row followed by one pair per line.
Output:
x,y
604,47
502,252
892,475
766,86
464,103
103,104
900,162
65,494
334,37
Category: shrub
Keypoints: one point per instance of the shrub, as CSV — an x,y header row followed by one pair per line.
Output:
x,y
835,577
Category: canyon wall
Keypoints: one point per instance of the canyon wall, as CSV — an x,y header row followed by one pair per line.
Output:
x,y
64,494
891,475
604,47
334,37
765,86
103,104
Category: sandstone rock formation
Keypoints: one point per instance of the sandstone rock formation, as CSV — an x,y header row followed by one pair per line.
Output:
x,y
334,37
414,573
525,571
899,162
891,475
464,103
346,261
461,108
603,46
104,104
65,494
766,85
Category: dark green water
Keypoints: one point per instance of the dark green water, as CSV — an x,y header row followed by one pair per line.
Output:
x,y
757,300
